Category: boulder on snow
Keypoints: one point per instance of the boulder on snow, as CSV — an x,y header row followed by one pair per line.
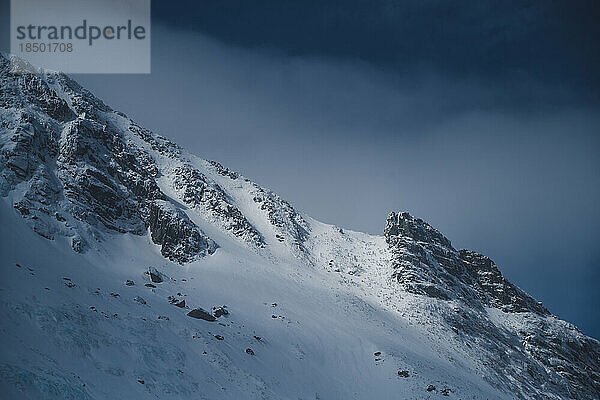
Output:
x,y
180,304
403,373
129,282
155,276
199,313
219,311
250,351
177,301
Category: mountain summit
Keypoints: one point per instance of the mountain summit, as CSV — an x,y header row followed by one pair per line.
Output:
x,y
132,268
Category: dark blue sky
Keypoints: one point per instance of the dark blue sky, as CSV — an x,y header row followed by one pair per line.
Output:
x,y
480,117
555,41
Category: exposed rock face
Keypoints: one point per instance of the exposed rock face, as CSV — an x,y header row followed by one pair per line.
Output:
x,y
566,351
95,169
100,172
417,249
224,170
87,176
180,239
560,357
493,288
282,216
426,263
198,191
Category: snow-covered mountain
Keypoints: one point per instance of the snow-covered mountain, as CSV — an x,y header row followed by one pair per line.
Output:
x,y
132,269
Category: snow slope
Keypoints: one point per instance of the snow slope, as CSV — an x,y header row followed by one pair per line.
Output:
x,y
90,200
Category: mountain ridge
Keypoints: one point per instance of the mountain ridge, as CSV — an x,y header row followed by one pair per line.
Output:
x,y
75,169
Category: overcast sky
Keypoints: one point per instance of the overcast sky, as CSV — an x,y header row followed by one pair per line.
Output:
x,y
480,117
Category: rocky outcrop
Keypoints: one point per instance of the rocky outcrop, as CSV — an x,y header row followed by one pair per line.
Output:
x,y
417,249
561,348
425,262
179,238
98,169
30,133
282,216
493,288
86,176
548,352
198,191
224,171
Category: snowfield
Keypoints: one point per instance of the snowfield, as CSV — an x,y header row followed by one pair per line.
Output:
x,y
111,235
84,341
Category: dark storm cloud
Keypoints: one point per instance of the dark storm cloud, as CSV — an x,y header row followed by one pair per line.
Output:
x,y
551,41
